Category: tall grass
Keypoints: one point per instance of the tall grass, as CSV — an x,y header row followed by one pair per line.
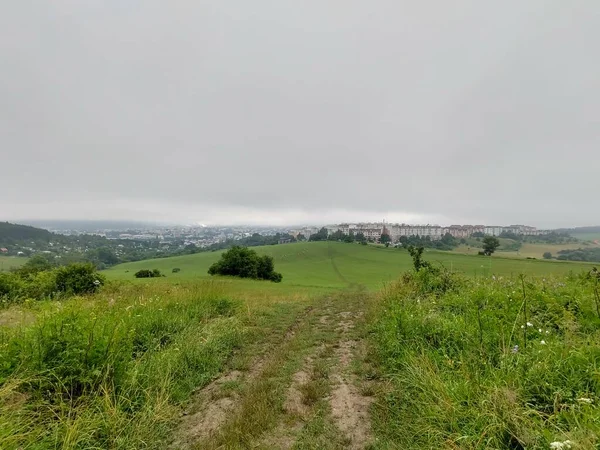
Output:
x,y
108,371
489,363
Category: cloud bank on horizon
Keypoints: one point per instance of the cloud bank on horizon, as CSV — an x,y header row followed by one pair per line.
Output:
x,y
297,112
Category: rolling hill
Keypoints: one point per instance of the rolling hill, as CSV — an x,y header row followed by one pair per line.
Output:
x,y
338,265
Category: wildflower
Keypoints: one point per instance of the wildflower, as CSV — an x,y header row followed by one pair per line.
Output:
x,y
522,326
540,330
97,282
560,445
589,401
529,324
547,331
543,342
515,349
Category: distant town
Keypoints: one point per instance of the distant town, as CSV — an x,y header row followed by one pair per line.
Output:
x,y
203,236
374,231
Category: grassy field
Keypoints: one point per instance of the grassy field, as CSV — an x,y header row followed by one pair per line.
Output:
x,y
527,250
9,262
333,265
586,236
504,364
339,355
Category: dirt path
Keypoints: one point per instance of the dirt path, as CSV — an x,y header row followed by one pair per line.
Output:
x,y
301,392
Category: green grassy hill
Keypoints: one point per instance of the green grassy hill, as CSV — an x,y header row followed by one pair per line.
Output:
x,y
337,265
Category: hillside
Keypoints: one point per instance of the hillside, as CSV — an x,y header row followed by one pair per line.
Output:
x,y
338,265
11,233
591,233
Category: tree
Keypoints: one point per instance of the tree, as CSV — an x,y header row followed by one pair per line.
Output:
x,y
360,237
320,236
300,237
385,239
35,264
337,236
245,263
417,256
547,255
490,244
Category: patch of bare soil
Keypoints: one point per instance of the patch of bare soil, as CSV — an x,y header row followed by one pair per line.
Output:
x,y
212,405
211,411
349,408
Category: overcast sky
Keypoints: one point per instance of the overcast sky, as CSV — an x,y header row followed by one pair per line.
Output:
x,y
301,111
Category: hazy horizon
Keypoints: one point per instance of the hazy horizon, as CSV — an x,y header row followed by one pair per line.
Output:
x,y
301,113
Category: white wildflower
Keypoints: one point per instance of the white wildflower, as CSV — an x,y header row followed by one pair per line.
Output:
x,y
540,330
529,324
543,342
557,445
547,331
589,401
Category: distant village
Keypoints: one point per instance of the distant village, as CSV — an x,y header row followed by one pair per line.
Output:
x,y
374,231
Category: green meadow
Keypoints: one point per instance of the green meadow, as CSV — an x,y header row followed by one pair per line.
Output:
x,y
334,265
353,349
10,262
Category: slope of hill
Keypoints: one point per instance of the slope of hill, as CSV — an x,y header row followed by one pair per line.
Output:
x,y
10,233
584,233
337,265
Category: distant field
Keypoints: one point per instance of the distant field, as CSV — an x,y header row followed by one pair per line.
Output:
x,y
527,250
8,262
332,265
586,236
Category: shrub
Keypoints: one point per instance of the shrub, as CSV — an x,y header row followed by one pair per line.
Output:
x,y
245,263
547,255
78,279
176,270
147,273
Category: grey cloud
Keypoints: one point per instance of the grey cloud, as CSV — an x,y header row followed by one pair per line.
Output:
x,y
276,110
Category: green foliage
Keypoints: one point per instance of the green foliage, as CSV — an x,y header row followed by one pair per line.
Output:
x,y
245,263
12,233
547,255
510,235
487,363
490,244
148,273
176,270
416,254
360,237
447,242
321,235
33,282
78,279
336,236
120,369
580,254
35,264
385,238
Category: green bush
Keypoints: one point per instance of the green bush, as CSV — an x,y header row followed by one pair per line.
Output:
x,y
35,282
147,273
245,263
76,279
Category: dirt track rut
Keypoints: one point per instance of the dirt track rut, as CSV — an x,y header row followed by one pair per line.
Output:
x,y
301,393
